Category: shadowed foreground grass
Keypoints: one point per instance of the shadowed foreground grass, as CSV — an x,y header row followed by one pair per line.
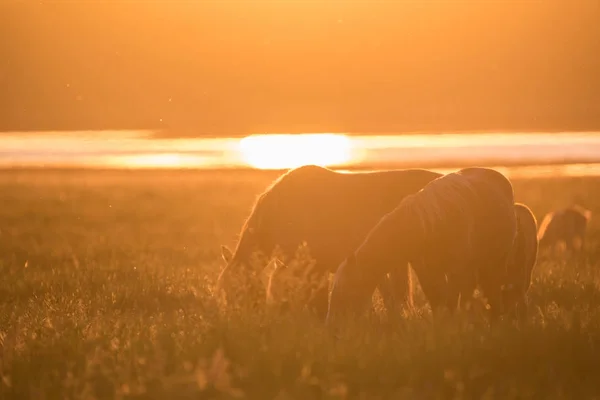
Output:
x,y
106,293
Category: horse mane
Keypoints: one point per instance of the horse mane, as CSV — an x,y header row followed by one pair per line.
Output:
x,y
430,204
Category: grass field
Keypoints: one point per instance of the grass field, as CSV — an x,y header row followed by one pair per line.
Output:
x,y
105,292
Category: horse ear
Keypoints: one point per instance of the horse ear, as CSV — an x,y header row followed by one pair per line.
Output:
x,y
226,254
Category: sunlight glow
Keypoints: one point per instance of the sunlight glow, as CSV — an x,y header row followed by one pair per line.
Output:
x,y
291,151
165,160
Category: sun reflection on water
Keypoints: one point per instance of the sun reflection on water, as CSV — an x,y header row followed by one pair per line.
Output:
x,y
290,151
539,153
165,160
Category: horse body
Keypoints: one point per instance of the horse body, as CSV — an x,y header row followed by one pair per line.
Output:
x,y
522,262
330,211
456,232
567,225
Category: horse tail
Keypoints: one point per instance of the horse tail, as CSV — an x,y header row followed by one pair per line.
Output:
x,y
544,227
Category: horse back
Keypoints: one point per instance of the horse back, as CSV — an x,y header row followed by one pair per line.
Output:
x,y
495,222
333,211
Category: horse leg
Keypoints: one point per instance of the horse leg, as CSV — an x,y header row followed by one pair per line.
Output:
x,y
491,280
319,302
453,294
465,284
434,285
386,292
454,280
521,308
398,289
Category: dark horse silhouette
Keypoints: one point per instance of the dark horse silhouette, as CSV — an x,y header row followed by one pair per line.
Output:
x,y
329,211
522,262
457,232
567,226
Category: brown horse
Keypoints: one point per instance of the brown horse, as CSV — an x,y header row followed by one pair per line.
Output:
x,y
329,211
566,226
522,262
457,232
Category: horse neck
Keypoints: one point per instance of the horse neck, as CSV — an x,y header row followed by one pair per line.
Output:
x,y
242,255
390,242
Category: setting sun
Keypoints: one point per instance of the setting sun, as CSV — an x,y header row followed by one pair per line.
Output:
x,y
290,151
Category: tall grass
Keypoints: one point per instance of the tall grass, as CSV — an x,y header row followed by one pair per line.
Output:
x,y
106,292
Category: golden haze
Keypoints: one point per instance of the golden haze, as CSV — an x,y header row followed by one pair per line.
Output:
x,y
235,68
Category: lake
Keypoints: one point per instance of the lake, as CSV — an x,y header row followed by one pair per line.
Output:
x,y
535,154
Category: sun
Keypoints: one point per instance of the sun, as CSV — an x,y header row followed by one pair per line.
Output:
x,y
291,151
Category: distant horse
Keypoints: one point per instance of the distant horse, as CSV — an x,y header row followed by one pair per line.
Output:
x,y
329,211
457,232
566,227
522,262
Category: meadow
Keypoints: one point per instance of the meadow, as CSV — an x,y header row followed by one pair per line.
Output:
x,y
106,293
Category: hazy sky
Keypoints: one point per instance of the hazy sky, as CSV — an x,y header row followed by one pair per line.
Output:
x,y
236,67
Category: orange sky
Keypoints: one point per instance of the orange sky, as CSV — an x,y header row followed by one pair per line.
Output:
x,y
238,67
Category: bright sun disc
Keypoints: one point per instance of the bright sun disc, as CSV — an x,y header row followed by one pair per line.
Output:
x,y
291,151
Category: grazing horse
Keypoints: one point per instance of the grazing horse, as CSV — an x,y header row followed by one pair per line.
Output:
x,y
456,232
522,261
566,226
329,211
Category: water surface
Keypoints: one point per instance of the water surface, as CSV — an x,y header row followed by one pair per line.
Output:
x,y
539,154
